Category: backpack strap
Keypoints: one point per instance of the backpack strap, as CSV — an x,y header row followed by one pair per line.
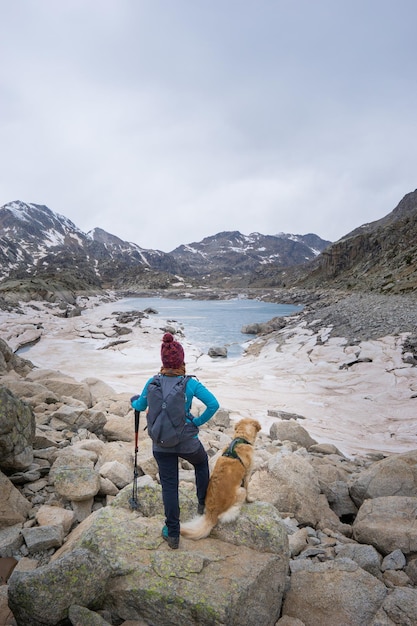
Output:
x,y
157,380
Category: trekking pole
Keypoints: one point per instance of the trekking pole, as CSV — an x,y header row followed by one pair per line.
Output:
x,y
134,499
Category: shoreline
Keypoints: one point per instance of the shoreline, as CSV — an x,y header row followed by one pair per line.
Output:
x,y
355,391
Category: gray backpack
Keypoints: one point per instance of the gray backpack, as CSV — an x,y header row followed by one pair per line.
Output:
x,y
166,421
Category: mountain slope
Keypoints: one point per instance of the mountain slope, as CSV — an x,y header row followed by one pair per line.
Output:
x,y
379,256
36,242
230,253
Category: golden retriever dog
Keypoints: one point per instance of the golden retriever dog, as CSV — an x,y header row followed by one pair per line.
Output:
x,y
228,485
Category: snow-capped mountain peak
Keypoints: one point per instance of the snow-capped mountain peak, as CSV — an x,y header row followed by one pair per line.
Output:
x,y
34,240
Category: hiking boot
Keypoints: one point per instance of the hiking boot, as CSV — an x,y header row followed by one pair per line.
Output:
x,y
200,509
173,542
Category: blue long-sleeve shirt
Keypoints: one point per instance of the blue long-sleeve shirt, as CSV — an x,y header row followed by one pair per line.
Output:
x,y
193,389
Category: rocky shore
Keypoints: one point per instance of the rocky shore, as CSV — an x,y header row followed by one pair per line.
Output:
x,y
364,316
343,363
331,538
355,315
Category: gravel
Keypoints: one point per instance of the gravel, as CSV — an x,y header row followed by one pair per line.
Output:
x,y
363,316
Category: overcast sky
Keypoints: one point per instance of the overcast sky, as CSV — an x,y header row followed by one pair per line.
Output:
x,y
167,121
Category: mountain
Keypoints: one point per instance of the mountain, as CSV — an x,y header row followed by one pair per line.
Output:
x,y
36,242
379,256
231,254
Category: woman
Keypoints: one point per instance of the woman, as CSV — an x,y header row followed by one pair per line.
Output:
x,y
190,449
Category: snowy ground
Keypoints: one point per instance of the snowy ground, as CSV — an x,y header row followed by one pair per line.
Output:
x,y
361,408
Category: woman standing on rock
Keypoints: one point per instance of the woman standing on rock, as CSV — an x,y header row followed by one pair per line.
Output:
x,y
187,445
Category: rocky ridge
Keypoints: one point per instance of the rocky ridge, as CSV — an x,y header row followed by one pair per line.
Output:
x,y
234,255
37,243
330,539
380,256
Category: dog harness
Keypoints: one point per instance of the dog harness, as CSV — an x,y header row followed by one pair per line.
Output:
x,y
231,452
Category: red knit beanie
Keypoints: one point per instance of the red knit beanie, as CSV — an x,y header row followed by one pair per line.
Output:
x,y
172,353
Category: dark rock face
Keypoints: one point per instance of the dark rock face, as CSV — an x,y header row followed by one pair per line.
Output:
x,y
382,254
17,432
378,256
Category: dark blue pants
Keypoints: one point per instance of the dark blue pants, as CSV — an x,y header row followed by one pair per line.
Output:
x,y
169,477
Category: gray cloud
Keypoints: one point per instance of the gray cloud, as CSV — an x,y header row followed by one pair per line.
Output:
x,y
165,122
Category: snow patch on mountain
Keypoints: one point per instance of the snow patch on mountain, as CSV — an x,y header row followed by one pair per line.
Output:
x,y
35,240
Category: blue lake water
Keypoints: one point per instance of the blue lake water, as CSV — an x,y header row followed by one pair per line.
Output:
x,y
208,323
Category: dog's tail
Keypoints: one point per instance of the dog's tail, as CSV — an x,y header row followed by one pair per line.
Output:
x,y
199,527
